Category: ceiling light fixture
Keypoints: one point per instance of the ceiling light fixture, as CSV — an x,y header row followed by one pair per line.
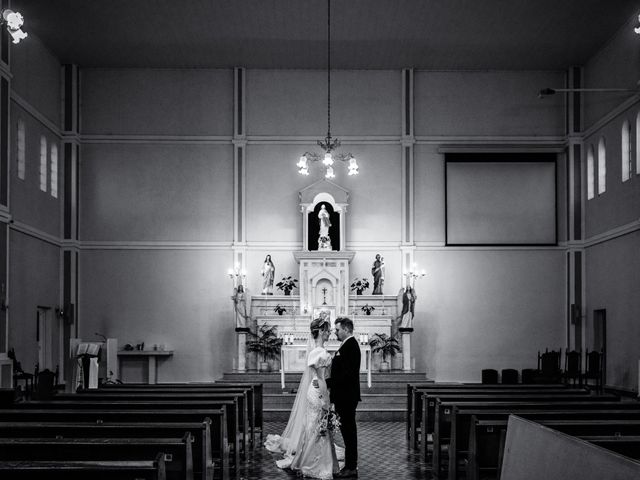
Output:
x,y
329,144
14,21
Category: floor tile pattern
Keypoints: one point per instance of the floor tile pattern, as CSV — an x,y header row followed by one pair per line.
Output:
x,y
382,448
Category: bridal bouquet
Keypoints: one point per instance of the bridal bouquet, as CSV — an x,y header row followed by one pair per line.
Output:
x,y
329,421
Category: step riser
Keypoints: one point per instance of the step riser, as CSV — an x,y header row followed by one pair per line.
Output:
x,y
288,402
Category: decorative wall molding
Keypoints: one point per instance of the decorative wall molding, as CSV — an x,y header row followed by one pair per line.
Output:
x,y
158,139
35,233
612,115
121,245
612,234
529,141
510,148
31,110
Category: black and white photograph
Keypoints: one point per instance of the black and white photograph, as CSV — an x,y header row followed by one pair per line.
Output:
x,y
280,239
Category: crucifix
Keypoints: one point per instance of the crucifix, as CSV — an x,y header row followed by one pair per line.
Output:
x,y
324,296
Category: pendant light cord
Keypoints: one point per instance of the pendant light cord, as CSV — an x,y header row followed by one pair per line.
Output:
x,y
329,69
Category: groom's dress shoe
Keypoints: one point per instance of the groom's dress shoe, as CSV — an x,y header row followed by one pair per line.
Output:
x,y
347,473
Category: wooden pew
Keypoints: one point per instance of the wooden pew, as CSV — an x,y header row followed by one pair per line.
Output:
x,y
218,429
244,434
540,445
439,425
81,470
453,430
462,416
428,399
177,452
415,405
256,394
203,465
230,406
486,438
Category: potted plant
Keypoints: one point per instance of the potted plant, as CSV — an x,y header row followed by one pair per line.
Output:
x,y
266,343
388,346
359,285
287,284
279,309
367,309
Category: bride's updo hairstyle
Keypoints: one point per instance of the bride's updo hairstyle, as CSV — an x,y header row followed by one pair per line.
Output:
x,y
319,325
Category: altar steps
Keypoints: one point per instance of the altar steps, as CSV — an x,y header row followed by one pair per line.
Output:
x,y
386,400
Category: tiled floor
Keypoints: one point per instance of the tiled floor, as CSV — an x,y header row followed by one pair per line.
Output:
x,y
382,449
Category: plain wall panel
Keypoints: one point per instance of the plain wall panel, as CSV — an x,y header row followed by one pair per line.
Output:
x,y
34,269
36,77
489,308
487,103
179,298
180,192
612,283
429,198
29,204
157,102
294,102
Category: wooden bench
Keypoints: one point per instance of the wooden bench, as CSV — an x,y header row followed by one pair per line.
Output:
x,y
81,470
540,446
428,399
256,415
415,390
203,465
487,437
179,398
444,405
462,417
177,452
218,417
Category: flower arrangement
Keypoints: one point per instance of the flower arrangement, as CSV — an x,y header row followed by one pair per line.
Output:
x,y
279,309
359,285
287,284
329,421
265,342
381,342
367,309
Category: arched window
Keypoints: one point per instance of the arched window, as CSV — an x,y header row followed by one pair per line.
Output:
x,y
43,163
590,173
602,166
625,139
54,170
21,153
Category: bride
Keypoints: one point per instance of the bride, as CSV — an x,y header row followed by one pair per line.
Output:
x,y
307,446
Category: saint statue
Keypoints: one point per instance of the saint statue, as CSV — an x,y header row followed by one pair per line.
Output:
x,y
242,308
406,302
268,273
324,242
377,271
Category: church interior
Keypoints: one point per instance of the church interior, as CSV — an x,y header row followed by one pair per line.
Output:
x,y
475,164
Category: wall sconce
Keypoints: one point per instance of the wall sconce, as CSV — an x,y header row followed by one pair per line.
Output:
x,y
237,276
14,22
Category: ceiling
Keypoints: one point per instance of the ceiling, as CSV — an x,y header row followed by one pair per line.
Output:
x,y
366,34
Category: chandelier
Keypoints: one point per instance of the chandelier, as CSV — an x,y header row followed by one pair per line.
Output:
x,y
329,144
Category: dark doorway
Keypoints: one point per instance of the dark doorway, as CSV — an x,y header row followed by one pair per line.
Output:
x,y
600,338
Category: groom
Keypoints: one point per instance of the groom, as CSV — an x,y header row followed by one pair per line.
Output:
x,y
344,386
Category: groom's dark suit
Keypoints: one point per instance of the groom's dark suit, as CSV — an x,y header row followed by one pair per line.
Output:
x,y
344,385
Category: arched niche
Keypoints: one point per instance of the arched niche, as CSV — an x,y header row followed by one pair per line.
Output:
x,y
336,200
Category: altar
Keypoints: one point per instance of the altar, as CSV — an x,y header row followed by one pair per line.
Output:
x,y
324,288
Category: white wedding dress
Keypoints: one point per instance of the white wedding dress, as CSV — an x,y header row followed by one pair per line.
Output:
x,y
304,448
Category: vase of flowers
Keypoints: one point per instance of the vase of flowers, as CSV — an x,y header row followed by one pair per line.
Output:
x,y
367,309
279,309
287,284
359,285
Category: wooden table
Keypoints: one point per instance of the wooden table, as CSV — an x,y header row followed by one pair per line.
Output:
x,y
152,355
